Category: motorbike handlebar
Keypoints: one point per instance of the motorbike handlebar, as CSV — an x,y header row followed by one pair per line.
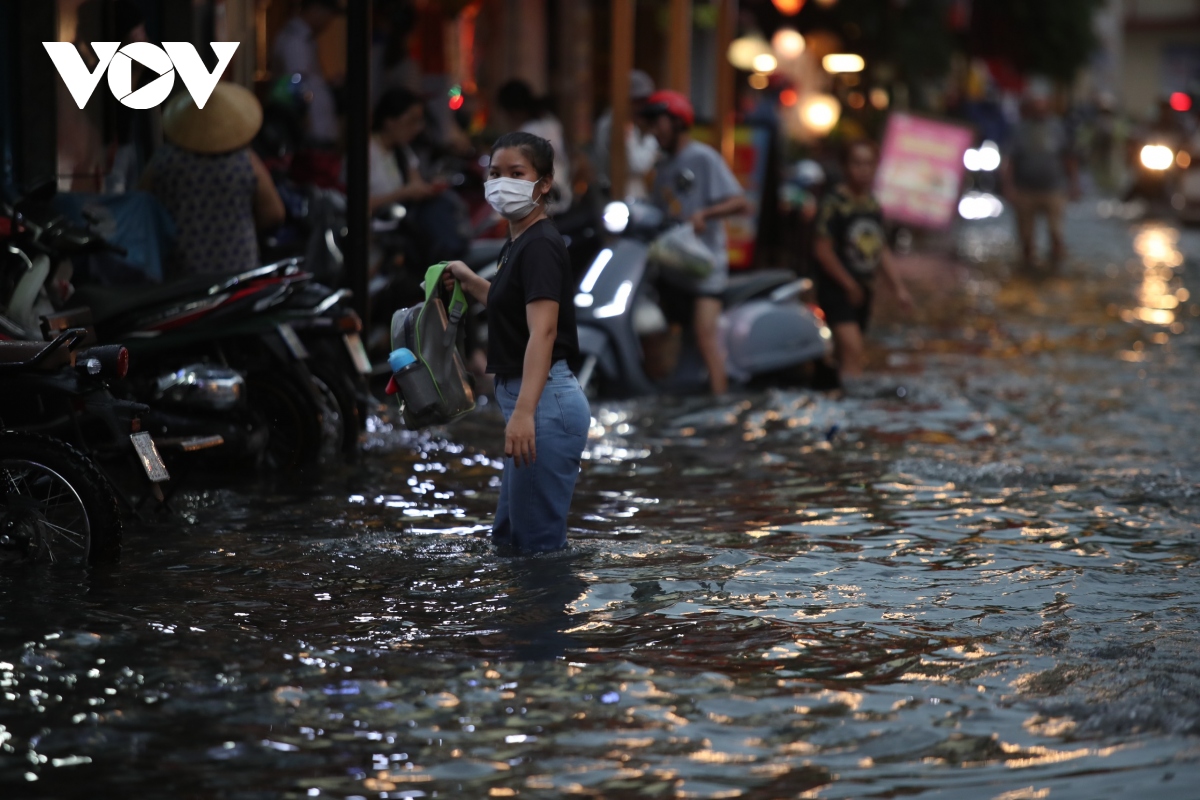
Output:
x,y
71,338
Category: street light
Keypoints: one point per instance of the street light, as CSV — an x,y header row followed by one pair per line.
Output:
x,y
744,51
765,63
820,113
788,44
789,8
843,62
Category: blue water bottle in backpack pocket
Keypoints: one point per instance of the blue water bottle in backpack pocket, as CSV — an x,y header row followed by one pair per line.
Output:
x,y
413,380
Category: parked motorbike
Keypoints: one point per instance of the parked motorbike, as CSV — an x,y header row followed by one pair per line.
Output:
x,y
217,356
767,330
65,436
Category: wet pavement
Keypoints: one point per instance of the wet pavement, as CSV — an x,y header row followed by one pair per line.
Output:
x,y
975,578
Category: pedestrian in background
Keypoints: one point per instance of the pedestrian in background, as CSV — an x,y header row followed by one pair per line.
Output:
x,y
641,148
531,337
851,247
1039,173
212,184
527,112
295,53
693,184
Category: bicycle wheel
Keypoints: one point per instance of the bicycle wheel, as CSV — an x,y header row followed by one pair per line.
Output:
x,y
55,505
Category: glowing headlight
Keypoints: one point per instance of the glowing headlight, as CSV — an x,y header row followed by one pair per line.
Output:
x,y
1157,157
616,217
989,157
980,205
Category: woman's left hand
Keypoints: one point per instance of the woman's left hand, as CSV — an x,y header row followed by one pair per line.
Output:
x,y
520,442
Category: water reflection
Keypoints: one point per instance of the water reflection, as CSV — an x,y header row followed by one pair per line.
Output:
x,y
981,586
1158,294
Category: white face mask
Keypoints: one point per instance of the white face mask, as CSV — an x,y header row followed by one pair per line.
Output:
x,y
511,197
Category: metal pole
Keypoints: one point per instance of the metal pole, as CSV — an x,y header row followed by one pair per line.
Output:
x,y
726,24
679,47
358,115
622,64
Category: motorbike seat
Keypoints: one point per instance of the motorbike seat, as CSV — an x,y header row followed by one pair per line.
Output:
x,y
108,302
750,285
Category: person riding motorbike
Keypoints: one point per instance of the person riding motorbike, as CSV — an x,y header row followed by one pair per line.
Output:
x,y
693,184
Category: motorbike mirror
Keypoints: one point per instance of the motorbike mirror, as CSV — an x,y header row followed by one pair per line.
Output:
x,y
685,180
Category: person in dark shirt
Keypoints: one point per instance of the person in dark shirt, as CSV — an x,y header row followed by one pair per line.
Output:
x,y
531,337
851,246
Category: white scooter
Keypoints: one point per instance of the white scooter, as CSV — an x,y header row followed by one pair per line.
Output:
x,y
766,330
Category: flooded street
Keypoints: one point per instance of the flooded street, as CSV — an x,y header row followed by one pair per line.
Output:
x,y
975,578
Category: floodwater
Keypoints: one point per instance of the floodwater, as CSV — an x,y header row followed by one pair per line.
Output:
x,y
976,578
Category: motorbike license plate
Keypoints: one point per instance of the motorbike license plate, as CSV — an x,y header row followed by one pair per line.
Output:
x,y
358,353
152,462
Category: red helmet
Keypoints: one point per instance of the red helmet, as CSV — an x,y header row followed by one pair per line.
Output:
x,y
677,105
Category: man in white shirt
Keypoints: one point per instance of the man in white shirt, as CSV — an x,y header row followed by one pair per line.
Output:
x,y
641,148
295,52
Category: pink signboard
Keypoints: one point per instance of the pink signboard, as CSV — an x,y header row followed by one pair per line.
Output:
x,y
921,169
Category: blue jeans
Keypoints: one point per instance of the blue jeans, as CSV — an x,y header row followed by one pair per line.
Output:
x,y
535,500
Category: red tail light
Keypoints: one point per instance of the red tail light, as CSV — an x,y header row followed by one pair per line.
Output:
x,y
122,363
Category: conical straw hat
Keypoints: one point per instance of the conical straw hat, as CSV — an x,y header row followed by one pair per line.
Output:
x,y
229,120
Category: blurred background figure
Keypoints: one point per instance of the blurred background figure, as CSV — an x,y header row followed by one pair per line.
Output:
x,y
1039,174
524,111
641,148
851,249
1109,132
295,53
398,177
395,168
217,191
800,194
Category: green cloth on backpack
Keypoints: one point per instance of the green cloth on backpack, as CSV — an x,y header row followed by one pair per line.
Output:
x,y
430,330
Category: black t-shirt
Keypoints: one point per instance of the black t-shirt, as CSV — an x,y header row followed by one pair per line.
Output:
x,y
534,267
855,223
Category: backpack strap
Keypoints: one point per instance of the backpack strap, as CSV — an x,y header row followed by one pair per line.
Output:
x,y
457,308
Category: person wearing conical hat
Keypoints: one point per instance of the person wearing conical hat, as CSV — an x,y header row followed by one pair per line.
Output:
x,y
212,184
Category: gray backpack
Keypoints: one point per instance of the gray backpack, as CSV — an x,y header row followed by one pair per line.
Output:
x,y
431,332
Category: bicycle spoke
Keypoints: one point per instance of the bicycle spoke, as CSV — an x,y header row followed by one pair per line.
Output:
x,y
77,538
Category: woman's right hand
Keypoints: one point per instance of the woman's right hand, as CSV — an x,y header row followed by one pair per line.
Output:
x,y
456,271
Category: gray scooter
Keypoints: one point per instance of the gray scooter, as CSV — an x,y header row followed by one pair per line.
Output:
x,y
765,327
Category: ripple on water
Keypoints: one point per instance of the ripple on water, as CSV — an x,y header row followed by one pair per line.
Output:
x,y
981,586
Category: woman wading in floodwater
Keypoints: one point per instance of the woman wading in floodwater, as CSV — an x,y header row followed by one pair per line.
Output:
x,y
531,335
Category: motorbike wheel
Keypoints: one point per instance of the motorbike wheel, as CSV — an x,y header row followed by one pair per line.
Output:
x,y
55,505
333,381
295,422
334,422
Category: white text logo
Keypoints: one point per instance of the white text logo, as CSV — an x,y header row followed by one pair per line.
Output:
x,y
118,61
